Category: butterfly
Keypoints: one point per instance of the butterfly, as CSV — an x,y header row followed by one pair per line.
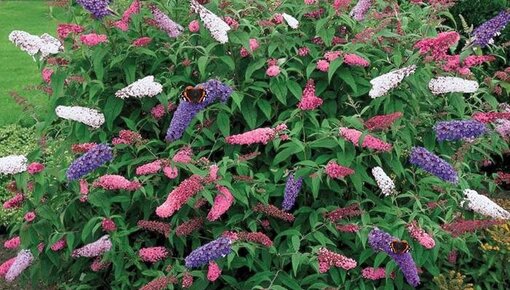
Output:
x,y
399,247
194,95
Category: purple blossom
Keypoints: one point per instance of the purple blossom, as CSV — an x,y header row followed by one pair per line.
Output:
x,y
165,23
456,130
23,260
484,33
98,8
94,249
359,11
431,163
88,162
216,249
380,241
292,188
186,111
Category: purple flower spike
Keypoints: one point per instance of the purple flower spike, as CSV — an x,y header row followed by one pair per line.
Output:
x,y
359,11
90,161
380,241
166,24
456,130
214,250
98,8
484,33
186,111
292,188
431,163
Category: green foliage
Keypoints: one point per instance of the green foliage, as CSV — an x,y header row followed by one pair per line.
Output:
x,y
257,101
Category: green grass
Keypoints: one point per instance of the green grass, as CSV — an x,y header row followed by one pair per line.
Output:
x,y
18,70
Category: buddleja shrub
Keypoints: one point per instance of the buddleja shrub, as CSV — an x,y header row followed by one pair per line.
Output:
x,y
266,145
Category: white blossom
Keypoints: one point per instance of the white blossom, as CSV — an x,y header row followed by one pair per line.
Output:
x,y
383,181
13,164
145,87
383,83
484,205
442,85
23,260
90,117
33,44
291,21
212,22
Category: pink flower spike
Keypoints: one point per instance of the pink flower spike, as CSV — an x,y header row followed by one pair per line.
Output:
x,y
260,135
381,122
35,167
12,243
108,225
59,245
194,26
5,266
370,142
171,172
222,203
149,168
93,39
116,182
98,265
328,259
152,254
30,216
309,101
142,41
94,249
373,273
337,171
14,202
84,190
180,195
273,71
355,60
213,271
46,75
332,55
184,155
420,235
323,65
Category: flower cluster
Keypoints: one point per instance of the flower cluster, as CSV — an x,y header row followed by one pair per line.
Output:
x,y
123,23
348,228
99,265
431,163
212,22
355,60
4,267
188,227
159,283
292,187
14,202
359,11
328,259
65,29
184,155
155,226
461,226
93,39
456,130
87,116
213,271
33,44
337,171
484,33
152,254
142,41
166,24
380,241
98,8
343,212
254,237
23,260
209,252
13,164
420,235
145,87
116,182
491,116
108,225
271,210
180,195
369,141
90,161
443,85
59,245
371,273
381,122
222,203
384,83
35,167
260,135
383,181
484,205
127,137
309,101
12,243
99,247
82,148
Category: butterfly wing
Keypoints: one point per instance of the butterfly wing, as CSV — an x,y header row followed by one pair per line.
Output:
x,y
399,247
194,95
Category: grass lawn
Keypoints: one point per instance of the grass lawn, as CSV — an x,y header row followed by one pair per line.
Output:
x,y
18,70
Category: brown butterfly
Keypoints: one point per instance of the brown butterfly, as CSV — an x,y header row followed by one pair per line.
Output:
x,y
194,95
399,247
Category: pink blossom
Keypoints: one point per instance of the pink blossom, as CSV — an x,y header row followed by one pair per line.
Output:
x,y
94,249
127,137
328,259
309,101
348,228
170,171
355,60
420,235
99,265
124,26
310,2
116,182
272,61
254,237
108,225
152,254
40,247
260,135
323,65
22,261
303,51
155,226
254,44
63,30
14,202
30,216
46,75
381,122
213,172
124,22
84,190
160,283
452,256
59,245
334,170
158,111
93,39
231,22
180,195
35,167
332,55
5,266
369,141
82,148
142,41
340,5
273,71
213,271
194,26
12,243
184,155
187,280
277,18
373,273
149,168
222,203
189,226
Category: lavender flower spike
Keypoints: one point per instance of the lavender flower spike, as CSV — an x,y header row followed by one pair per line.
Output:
x,y
165,23
94,249
211,251
359,11
186,111
98,8
484,33
456,130
380,241
292,188
23,260
431,163
88,162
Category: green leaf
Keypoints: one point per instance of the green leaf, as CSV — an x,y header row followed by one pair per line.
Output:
x,y
279,89
252,67
112,109
346,76
295,89
333,66
202,65
223,123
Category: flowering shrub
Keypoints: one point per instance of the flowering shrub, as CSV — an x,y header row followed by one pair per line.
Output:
x,y
251,144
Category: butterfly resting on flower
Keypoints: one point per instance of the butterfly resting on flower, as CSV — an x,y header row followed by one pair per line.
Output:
x,y
195,95
400,247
